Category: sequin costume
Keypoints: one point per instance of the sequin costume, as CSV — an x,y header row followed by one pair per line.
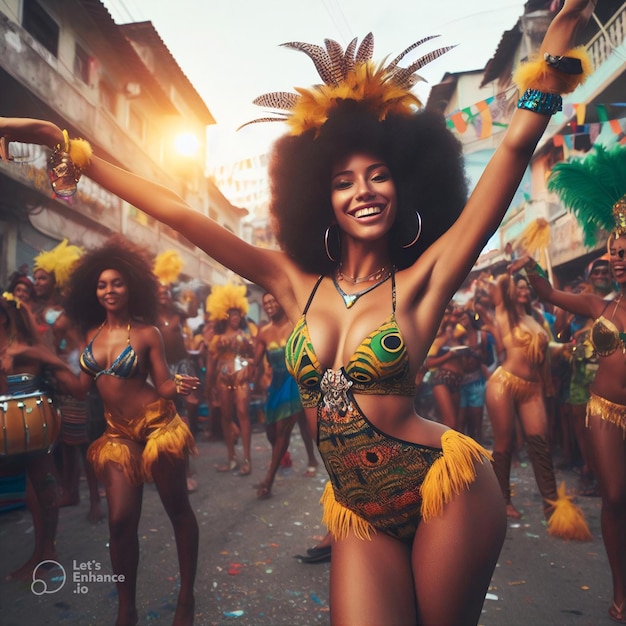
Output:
x,y
283,397
377,482
606,339
158,428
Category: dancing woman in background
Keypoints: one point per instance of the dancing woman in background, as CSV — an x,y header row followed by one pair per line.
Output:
x,y
595,190
517,389
365,281
231,369
112,295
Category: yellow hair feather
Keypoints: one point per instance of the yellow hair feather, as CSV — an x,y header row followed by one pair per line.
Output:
x,y
58,261
366,83
223,298
168,266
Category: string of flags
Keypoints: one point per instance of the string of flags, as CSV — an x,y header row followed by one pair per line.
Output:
x,y
489,116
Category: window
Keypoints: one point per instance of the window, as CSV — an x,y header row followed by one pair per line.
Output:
x,y
81,64
41,26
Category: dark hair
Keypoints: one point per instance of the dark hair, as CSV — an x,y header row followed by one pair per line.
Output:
x,y
118,253
425,161
20,279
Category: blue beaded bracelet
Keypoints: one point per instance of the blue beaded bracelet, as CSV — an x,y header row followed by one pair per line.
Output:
x,y
540,102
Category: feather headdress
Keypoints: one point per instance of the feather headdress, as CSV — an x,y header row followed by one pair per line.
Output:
x,y
59,261
168,266
348,75
223,298
594,190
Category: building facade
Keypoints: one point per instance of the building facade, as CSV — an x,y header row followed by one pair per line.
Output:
x,y
119,87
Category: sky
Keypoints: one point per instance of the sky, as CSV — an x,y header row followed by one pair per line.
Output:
x,y
230,49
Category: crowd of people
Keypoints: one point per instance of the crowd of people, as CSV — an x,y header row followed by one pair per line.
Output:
x,y
361,310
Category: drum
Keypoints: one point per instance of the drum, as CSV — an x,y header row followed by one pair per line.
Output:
x,y
28,423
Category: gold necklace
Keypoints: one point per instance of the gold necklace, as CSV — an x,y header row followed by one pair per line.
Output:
x,y
375,275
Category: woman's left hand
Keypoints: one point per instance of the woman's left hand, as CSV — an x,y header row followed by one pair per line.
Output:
x,y
185,384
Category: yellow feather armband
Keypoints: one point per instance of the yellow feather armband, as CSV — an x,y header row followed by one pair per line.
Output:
x,y
541,75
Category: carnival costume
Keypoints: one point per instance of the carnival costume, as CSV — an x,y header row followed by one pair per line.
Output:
x,y
283,396
594,189
565,519
159,428
234,357
377,482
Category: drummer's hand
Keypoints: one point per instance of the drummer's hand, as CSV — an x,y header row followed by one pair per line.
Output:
x,y
185,384
27,130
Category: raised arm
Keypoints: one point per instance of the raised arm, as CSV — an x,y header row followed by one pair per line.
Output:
x,y
267,268
585,304
493,193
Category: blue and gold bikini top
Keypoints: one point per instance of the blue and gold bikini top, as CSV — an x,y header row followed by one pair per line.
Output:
x,y
380,365
605,336
124,366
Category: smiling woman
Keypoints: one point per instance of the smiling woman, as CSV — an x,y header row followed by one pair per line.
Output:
x,y
400,485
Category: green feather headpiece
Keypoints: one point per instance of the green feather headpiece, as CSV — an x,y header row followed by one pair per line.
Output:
x,y
594,190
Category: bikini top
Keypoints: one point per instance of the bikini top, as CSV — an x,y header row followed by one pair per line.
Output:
x,y
605,336
380,365
124,366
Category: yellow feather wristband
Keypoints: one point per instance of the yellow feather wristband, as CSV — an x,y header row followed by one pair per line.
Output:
x,y
80,152
537,74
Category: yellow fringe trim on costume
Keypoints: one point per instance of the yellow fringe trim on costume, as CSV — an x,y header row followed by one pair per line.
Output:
x,y
339,519
105,450
606,410
567,520
174,440
451,473
80,152
537,74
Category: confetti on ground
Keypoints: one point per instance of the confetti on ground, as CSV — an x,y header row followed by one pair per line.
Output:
x,y
491,596
233,613
585,587
316,599
512,583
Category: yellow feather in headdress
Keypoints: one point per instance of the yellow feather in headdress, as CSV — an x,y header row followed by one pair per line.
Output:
x,y
58,261
168,266
366,83
223,298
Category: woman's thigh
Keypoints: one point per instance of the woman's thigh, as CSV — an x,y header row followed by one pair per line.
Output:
x,y
371,582
501,413
454,554
533,415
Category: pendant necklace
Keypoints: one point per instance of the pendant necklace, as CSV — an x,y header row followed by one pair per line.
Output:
x,y
349,299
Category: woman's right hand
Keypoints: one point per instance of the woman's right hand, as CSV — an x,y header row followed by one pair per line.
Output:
x,y
28,130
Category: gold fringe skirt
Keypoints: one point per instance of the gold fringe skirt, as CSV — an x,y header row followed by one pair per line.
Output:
x,y
606,410
450,474
518,388
159,429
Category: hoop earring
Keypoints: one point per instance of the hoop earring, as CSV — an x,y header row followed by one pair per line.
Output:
x,y
326,236
419,230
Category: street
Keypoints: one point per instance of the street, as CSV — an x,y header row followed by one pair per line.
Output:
x,y
247,573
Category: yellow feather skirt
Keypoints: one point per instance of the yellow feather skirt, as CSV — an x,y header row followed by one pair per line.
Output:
x,y
159,430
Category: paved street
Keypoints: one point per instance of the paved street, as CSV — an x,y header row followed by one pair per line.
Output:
x,y
247,575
